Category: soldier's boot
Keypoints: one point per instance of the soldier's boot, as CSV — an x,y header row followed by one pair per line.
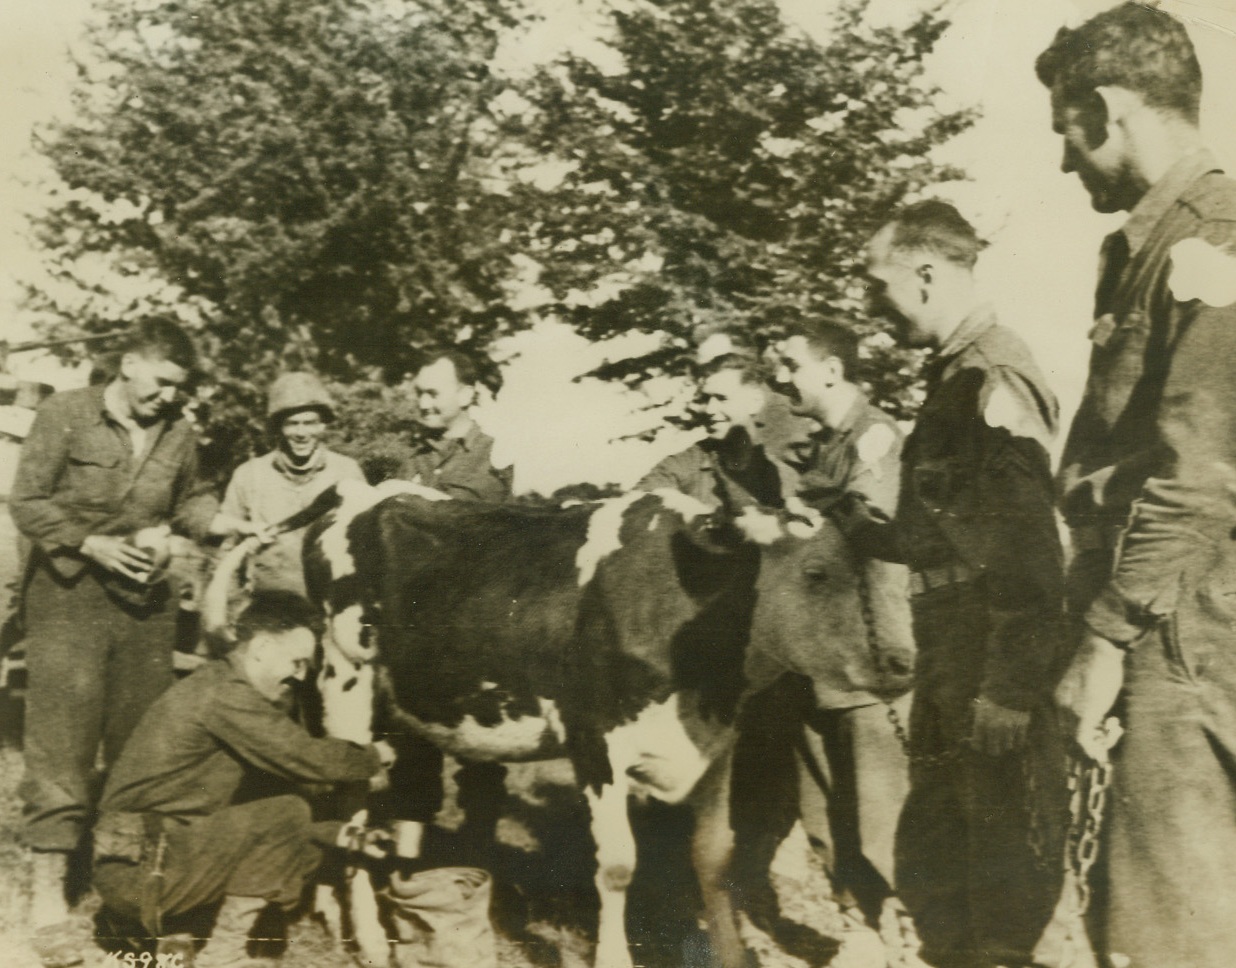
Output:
x,y
229,941
55,938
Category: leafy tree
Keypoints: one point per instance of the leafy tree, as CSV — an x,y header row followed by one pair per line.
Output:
x,y
299,178
344,183
729,175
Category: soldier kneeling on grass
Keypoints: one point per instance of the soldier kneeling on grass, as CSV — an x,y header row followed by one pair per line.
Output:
x,y
206,805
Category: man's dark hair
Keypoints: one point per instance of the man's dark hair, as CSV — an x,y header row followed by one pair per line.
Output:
x,y
937,227
1133,46
164,338
273,611
749,367
829,337
466,370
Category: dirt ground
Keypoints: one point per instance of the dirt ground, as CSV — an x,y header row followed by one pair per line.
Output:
x,y
544,906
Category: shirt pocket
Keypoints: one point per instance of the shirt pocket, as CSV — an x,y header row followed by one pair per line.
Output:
x,y
94,473
936,482
1118,359
153,492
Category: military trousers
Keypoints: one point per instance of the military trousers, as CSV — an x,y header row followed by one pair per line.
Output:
x,y
855,780
967,871
1171,866
94,666
264,848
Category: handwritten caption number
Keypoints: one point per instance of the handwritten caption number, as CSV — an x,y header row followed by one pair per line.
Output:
x,y
144,960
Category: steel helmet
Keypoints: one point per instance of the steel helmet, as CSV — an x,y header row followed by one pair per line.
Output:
x,y
297,391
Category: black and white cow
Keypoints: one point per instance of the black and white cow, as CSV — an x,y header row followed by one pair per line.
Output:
x,y
616,634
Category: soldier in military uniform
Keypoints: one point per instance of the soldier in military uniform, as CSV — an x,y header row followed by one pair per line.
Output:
x,y
976,526
455,457
729,467
1148,484
857,452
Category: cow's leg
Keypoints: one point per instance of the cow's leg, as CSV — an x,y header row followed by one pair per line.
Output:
x,y
615,846
712,849
347,687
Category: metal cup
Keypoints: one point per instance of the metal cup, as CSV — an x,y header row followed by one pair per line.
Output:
x,y
408,835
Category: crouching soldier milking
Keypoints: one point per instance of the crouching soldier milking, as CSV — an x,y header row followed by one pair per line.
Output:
x,y
205,805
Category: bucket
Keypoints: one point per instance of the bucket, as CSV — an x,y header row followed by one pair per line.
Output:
x,y
441,917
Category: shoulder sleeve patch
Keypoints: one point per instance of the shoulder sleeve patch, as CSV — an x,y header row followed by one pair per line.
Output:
x,y
875,443
1014,412
1202,271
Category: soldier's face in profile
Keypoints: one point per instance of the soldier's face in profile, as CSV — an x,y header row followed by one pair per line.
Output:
x,y
277,661
805,376
895,290
1093,150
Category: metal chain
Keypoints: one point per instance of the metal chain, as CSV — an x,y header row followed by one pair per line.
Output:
x,y
926,760
1088,786
1036,835
1088,783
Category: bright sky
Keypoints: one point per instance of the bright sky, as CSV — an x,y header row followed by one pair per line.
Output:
x,y
1039,270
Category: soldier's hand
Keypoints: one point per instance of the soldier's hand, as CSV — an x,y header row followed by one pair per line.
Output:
x,y
117,555
380,781
997,729
386,753
1087,693
226,524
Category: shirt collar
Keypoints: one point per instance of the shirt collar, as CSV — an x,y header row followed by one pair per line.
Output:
x,y
857,409
112,405
444,441
1164,194
968,330
467,440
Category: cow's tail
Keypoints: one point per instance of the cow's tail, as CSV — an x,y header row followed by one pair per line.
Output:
x,y
216,623
325,502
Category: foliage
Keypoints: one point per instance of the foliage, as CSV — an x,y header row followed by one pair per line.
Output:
x,y
298,177
729,175
343,184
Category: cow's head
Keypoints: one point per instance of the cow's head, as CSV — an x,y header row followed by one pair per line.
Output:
x,y
839,619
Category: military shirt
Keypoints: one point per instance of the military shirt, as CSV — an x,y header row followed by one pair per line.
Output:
x,y
461,467
1150,461
700,472
977,491
78,475
260,492
203,738
861,455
